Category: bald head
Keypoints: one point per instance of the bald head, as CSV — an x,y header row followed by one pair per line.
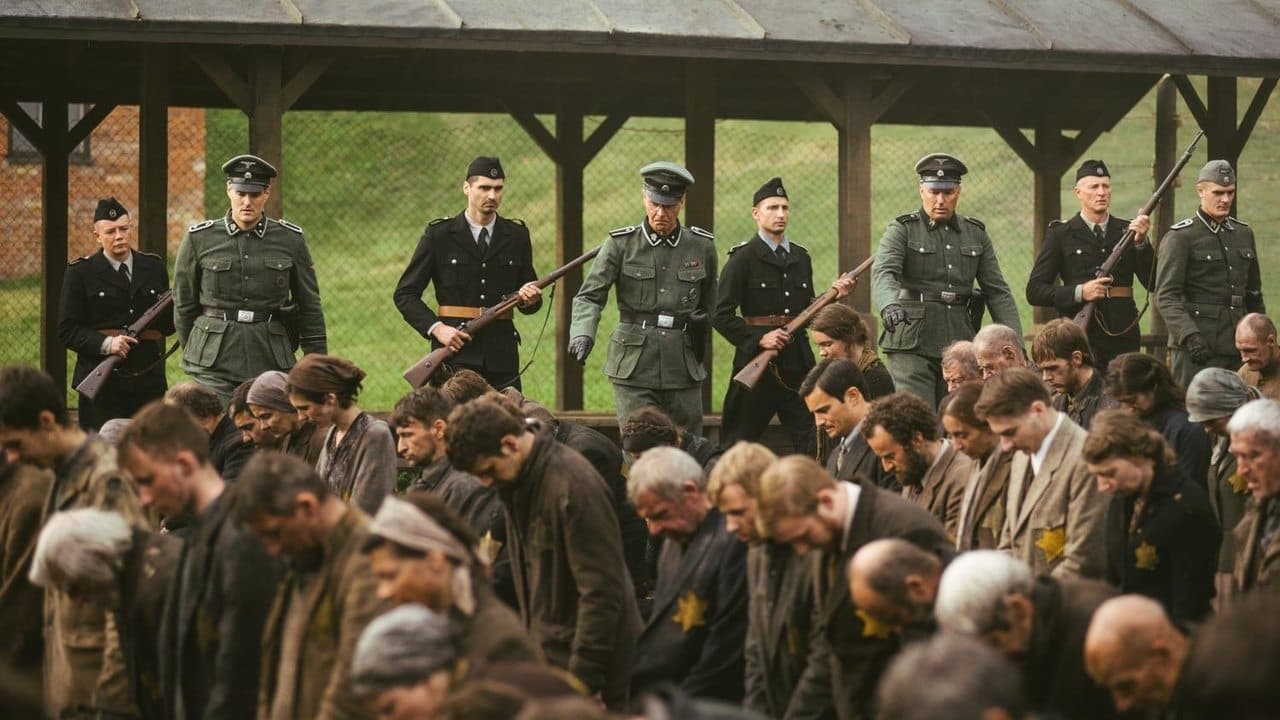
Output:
x,y
1135,651
1256,343
894,581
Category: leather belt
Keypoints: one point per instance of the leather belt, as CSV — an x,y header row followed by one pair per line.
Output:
x,y
660,320
1235,302
768,320
464,312
144,335
1120,291
949,298
240,316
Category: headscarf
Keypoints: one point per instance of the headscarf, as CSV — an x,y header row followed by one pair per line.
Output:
x,y
271,390
403,523
1216,393
326,374
400,648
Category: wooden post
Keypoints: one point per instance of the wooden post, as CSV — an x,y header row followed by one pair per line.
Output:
x,y
1048,192
266,121
854,186
570,165
53,210
1166,154
153,151
700,157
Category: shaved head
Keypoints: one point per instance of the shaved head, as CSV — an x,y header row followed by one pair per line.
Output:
x,y
1135,651
894,581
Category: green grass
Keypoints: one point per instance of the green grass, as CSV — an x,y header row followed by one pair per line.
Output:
x,y
364,185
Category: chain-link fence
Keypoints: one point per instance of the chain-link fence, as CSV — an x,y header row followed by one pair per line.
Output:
x,y
363,186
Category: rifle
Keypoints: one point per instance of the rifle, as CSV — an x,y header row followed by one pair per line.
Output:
x,y
1085,316
749,376
421,372
92,384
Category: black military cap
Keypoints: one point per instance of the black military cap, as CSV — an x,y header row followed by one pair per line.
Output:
x,y
773,188
1218,171
940,171
485,167
665,182
108,209
1092,168
248,173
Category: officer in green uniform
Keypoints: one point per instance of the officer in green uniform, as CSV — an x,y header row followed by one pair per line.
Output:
x,y
236,283
666,279
1207,278
923,276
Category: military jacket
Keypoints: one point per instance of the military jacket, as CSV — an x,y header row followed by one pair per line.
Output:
x,y
919,254
1170,551
448,258
259,270
755,282
95,297
675,276
1207,279
1073,254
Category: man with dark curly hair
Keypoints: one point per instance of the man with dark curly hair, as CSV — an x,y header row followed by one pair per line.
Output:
x,y
903,432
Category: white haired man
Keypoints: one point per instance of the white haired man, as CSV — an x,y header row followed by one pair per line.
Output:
x,y
1255,443
998,347
98,559
1038,622
698,624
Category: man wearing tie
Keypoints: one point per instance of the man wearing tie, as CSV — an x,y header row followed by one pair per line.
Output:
x,y
474,259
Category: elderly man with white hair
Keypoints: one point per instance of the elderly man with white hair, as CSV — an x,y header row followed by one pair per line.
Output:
x,y
1255,443
1038,622
695,632
998,347
97,558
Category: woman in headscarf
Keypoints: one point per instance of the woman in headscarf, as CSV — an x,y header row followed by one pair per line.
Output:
x,y
1144,386
358,458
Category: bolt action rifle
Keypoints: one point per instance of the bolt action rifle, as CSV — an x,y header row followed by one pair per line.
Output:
x,y
421,372
1086,314
749,376
93,382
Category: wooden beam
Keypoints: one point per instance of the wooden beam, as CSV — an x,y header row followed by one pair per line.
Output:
x,y
603,134
236,88
1251,115
571,161
899,85
266,121
53,211
1103,122
1048,189
855,182
29,128
540,135
1018,142
153,151
91,119
700,158
1192,99
824,99
1166,154
304,78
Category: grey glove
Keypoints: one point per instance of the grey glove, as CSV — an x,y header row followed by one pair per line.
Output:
x,y
580,347
1196,347
893,316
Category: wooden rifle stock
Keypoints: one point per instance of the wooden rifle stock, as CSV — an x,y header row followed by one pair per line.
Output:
x,y
1085,316
421,372
93,382
749,376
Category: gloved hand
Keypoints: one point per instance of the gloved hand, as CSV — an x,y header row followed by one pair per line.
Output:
x,y
580,347
1196,347
893,316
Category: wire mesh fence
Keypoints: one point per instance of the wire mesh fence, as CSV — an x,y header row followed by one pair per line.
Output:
x,y
364,185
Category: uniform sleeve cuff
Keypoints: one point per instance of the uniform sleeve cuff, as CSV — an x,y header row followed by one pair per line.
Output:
x,y
105,348
1079,294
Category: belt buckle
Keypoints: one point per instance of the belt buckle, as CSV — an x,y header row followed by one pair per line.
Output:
x,y
244,316
666,321
948,297
1237,301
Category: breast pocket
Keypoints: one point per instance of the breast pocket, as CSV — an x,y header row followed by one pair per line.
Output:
x,y
636,287
970,257
215,278
504,271
277,276
456,270
690,289
921,261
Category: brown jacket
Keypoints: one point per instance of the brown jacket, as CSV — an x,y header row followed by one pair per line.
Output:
x,y
340,600
779,615
23,489
941,490
83,663
982,510
493,633
1057,525
144,584
1255,566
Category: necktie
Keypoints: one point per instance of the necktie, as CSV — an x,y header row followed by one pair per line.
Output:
x,y
781,253
1099,235
844,450
482,242
124,275
1027,479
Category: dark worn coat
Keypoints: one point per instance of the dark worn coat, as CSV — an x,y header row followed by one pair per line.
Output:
x,y
941,490
694,635
448,258
846,654
858,460
1091,398
493,633
211,634
1172,552
94,298
306,442
982,510
1229,494
779,614
145,579
1053,669
478,505
23,489
371,454
340,601
228,452
571,584
1189,441
1255,566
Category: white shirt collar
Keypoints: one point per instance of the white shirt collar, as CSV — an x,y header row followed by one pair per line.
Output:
x,y
852,491
848,439
1093,226
475,229
115,264
773,246
1037,458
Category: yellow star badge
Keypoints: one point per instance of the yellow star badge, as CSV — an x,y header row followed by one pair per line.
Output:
x,y
1052,542
690,612
1238,484
489,548
1146,556
872,627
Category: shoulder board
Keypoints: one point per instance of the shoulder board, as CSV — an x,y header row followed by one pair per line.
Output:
x,y
616,232
517,221
201,225
439,220
739,246
286,224
800,247
1181,224
976,221
909,217
150,255
1055,223
699,231
79,260
1238,221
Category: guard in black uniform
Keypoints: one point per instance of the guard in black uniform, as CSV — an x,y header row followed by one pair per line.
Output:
x,y
474,259
1075,249
102,294
771,279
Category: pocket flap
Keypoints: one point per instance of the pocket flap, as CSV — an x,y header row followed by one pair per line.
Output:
x,y
640,272
458,259
215,265
1206,310
920,247
1207,254
278,263
692,274
971,250
210,325
1248,253
762,283
627,336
